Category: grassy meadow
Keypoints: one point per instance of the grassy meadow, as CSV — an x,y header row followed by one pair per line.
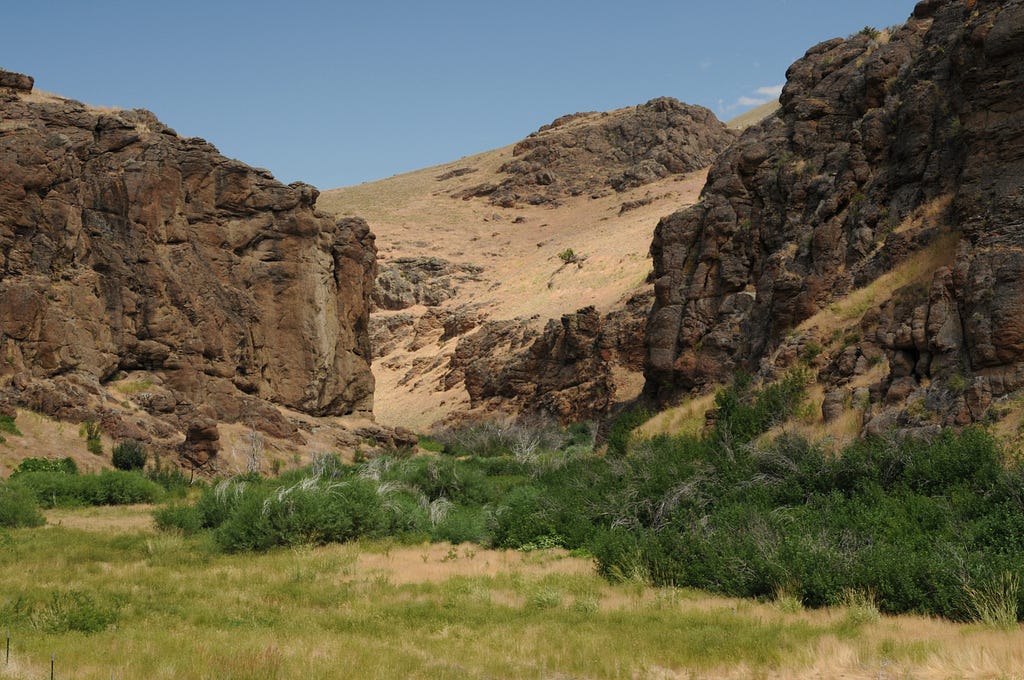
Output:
x,y
519,550
109,596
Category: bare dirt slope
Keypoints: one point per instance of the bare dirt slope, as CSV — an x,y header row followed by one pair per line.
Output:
x,y
517,252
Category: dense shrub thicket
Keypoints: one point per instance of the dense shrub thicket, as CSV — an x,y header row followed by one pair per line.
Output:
x,y
110,487
49,482
924,526
18,507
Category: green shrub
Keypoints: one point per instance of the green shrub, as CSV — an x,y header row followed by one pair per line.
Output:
x,y
462,525
621,431
7,425
169,476
18,507
90,430
527,516
309,512
871,32
184,518
61,465
744,413
129,455
110,487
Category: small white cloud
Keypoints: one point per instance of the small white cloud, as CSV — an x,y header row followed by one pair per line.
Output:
x,y
750,101
705,64
770,90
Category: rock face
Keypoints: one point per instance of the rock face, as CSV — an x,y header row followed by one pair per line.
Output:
x,y
587,153
885,152
429,281
124,247
567,371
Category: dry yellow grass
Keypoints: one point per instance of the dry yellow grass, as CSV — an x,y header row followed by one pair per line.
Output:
x,y
414,214
753,116
48,438
685,418
103,518
918,268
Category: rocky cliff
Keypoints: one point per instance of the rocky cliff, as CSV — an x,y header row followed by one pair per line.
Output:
x,y
569,370
890,176
594,153
126,249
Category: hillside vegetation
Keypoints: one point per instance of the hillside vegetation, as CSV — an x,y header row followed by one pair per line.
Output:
x,y
931,527
886,527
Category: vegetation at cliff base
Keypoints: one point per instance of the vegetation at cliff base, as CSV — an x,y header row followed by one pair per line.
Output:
x,y
926,526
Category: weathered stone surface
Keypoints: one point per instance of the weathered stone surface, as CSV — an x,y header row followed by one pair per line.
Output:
x,y
16,81
407,281
834,404
565,372
880,149
125,247
201,444
584,153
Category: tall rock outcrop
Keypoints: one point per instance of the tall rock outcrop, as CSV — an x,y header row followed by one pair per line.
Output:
x,y
567,371
887,150
125,247
590,153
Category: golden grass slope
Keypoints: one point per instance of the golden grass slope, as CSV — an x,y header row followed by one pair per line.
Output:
x,y
415,214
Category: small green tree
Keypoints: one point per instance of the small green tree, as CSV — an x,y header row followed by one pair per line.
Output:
x,y
129,455
90,429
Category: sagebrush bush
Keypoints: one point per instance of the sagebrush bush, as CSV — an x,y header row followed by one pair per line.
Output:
x,y
129,455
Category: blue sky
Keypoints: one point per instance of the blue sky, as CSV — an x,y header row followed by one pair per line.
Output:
x,y
337,93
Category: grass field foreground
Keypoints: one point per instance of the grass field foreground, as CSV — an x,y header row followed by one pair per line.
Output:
x,y
109,596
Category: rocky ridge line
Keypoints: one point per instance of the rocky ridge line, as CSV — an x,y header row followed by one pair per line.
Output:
x,y
593,153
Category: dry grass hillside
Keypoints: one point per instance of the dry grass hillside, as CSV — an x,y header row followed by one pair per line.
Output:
x,y
520,252
517,249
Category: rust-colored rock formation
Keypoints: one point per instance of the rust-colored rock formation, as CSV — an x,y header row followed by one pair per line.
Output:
x,y
566,371
586,153
124,247
883,148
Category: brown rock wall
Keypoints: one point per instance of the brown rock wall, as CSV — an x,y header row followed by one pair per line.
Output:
x,y
821,199
126,247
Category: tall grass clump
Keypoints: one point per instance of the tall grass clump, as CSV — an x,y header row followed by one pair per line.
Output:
x,y
997,602
90,431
